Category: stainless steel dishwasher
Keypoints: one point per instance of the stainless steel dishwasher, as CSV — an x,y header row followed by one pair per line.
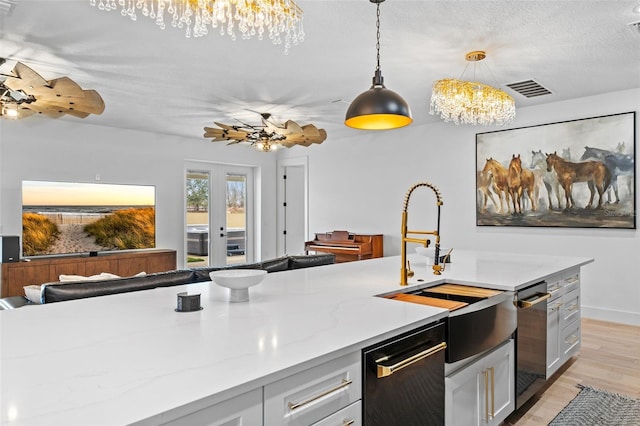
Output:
x,y
404,379
531,349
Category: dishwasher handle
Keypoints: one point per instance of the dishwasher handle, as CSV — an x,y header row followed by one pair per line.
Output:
x,y
529,303
387,370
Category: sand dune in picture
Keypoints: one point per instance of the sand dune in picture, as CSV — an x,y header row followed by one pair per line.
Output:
x,y
73,239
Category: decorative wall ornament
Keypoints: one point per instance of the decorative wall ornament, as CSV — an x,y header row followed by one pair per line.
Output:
x,y
578,174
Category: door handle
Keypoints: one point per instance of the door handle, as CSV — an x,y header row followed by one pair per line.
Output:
x,y
485,373
387,370
526,304
493,392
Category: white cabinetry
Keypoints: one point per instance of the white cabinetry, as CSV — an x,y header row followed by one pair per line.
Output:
x,y
348,416
245,409
563,319
315,394
482,393
326,395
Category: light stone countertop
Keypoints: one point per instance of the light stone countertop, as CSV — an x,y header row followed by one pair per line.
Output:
x,y
130,357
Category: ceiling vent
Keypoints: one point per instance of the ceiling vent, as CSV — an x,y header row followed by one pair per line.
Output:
x,y
529,88
634,27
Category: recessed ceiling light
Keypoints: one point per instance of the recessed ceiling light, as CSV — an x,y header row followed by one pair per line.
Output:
x,y
636,9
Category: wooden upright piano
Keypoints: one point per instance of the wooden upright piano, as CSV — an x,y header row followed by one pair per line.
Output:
x,y
346,246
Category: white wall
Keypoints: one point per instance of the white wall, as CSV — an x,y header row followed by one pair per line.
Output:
x,y
358,184
65,150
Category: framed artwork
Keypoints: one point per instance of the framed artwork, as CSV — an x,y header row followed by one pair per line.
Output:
x,y
576,174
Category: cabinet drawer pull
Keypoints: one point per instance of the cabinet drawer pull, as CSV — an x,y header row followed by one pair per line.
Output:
x,y
526,304
572,279
485,373
571,340
573,307
556,306
348,422
387,370
493,395
296,405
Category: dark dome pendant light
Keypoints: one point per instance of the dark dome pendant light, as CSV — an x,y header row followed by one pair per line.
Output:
x,y
378,108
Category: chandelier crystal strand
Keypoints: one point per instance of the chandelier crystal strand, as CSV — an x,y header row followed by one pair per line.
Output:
x,y
280,19
471,102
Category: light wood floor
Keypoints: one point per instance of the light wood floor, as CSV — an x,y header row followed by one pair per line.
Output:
x,y
609,359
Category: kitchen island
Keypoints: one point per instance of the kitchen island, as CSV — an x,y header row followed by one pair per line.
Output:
x,y
130,358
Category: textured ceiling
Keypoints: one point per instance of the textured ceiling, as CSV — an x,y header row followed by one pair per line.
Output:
x,y
159,81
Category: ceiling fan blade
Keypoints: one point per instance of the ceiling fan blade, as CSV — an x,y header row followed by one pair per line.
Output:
x,y
56,97
45,109
224,126
63,86
310,130
292,127
89,102
25,79
224,134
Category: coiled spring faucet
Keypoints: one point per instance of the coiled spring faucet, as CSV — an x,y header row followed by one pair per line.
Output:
x,y
405,270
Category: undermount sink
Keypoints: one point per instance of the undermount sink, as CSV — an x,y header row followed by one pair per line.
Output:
x,y
448,295
479,318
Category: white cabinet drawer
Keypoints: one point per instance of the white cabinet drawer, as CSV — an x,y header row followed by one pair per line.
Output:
x,y
570,341
348,416
245,409
554,286
570,281
570,309
313,394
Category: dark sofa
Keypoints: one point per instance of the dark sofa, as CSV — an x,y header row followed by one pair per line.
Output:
x,y
58,292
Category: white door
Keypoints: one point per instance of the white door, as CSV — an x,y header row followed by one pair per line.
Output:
x,y
294,231
293,224
219,214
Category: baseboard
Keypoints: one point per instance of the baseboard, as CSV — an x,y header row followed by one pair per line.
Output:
x,y
630,318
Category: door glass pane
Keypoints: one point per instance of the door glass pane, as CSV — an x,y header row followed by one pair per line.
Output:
x,y
197,219
236,218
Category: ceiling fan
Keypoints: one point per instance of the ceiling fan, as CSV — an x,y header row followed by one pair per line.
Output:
x,y
24,92
267,136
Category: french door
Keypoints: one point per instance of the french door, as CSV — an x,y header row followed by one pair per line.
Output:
x,y
219,211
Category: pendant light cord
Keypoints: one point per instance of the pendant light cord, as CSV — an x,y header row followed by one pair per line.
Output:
x,y
378,36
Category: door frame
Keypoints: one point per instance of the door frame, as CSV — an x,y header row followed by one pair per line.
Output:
x,y
217,188
282,164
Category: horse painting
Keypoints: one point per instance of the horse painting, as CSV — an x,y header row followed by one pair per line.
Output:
x,y
618,164
485,181
519,181
594,173
499,175
549,178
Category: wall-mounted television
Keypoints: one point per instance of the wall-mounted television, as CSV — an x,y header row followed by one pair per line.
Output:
x,y
74,217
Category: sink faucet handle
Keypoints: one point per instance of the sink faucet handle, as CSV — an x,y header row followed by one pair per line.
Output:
x,y
410,273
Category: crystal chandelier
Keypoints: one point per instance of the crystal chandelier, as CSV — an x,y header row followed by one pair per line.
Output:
x,y
277,18
471,102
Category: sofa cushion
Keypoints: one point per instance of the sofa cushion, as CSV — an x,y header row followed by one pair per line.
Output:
x,y
275,265
305,261
57,292
13,302
202,272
